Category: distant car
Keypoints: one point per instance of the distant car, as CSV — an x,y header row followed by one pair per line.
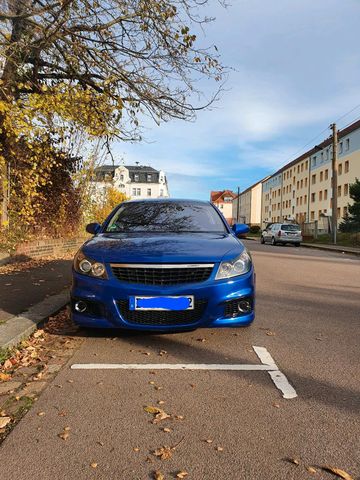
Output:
x,y
281,233
163,265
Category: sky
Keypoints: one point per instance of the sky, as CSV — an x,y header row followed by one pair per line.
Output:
x,y
295,68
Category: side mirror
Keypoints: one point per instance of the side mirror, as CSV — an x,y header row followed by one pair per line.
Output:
x,y
240,228
93,228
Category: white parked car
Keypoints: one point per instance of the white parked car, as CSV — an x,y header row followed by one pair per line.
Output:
x,y
281,233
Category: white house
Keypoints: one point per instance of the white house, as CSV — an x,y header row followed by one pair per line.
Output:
x,y
135,181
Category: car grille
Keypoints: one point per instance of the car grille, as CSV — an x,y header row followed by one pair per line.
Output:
x,y
162,317
162,275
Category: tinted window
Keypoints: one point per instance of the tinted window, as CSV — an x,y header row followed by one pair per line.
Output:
x,y
291,228
166,217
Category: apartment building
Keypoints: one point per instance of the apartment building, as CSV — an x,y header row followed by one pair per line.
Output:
x,y
247,205
135,181
223,200
302,191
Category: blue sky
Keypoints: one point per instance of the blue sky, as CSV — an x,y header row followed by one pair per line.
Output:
x,y
296,69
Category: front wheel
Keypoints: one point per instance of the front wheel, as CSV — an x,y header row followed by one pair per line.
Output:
x,y
262,240
297,244
273,242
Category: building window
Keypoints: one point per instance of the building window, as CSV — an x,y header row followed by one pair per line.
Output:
x,y
121,178
300,200
326,174
346,189
138,192
346,169
345,210
325,194
149,192
341,147
338,212
134,192
313,197
136,177
302,183
339,191
320,195
306,164
347,145
149,177
305,198
319,214
302,167
298,168
298,185
321,176
306,182
314,161
340,169
293,180
293,193
312,215
161,192
313,179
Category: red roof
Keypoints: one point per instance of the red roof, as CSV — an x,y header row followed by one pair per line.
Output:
x,y
218,196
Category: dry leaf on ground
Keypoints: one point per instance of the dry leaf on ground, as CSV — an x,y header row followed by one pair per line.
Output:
x,y
4,377
182,474
337,471
158,412
164,453
162,352
311,469
295,461
4,421
93,465
158,476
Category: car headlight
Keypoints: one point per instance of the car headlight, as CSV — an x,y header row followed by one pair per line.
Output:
x,y
90,267
233,268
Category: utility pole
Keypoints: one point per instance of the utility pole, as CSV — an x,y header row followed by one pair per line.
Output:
x,y
238,205
334,181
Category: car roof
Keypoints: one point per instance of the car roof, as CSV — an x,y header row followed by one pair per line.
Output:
x,y
168,200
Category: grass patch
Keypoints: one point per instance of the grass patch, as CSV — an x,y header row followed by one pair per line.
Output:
x,y
343,240
5,353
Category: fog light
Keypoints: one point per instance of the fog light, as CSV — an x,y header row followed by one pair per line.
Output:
x,y
244,306
80,306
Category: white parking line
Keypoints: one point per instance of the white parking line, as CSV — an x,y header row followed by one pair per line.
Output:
x,y
267,364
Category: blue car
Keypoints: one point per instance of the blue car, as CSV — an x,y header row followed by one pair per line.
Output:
x,y
163,265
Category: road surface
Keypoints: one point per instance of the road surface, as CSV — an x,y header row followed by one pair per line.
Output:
x,y
224,424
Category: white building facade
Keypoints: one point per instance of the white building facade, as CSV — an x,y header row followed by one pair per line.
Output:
x,y
135,181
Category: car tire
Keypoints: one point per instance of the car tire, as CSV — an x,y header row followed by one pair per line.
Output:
x,y
262,240
297,244
273,241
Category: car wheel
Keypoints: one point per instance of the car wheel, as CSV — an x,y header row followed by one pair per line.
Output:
x,y
262,240
297,244
273,242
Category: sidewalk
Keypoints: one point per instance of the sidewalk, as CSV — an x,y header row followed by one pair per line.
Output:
x,y
322,246
30,292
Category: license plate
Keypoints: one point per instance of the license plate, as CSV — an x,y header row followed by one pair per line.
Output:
x,y
162,303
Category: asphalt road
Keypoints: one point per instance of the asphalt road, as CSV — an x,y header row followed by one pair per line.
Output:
x,y
308,318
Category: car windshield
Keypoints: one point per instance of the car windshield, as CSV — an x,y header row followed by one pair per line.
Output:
x,y
291,228
166,217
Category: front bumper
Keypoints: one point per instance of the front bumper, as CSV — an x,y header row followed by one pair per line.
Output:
x,y
107,298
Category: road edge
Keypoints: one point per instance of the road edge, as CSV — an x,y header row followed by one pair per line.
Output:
x,y
21,326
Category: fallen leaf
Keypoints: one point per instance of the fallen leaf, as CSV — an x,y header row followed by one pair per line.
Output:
x,y
4,421
179,417
153,410
7,365
162,352
158,412
136,449
67,429
208,440
38,333
276,405
93,465
161,402
158,388
337,471
166,430
295,461
270,334
64,435
158,476
146,353
201,339
4,377
182,474
152,382
164,453
41,414
311,469
100,443
219,449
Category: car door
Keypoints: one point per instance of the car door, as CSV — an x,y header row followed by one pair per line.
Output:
x,y
267,233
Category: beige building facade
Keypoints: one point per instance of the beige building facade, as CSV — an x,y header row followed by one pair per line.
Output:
x,y
302,191
247,205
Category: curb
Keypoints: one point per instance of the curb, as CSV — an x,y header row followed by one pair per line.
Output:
x,y
322,247
21,326
329,249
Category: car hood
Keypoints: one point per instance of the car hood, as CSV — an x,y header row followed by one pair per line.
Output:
x,y
162,248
